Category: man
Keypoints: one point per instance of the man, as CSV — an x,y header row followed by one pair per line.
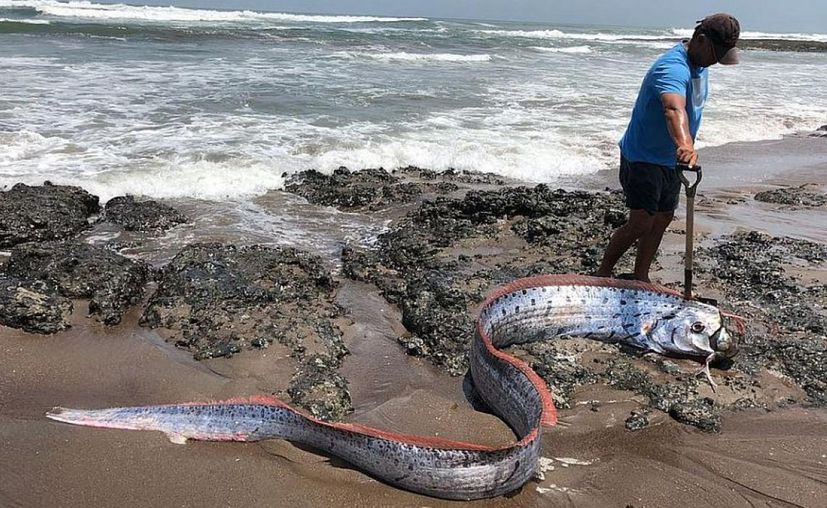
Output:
x,y
661,135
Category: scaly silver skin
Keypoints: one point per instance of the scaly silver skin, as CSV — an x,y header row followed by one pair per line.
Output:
x,y
641,315
645,316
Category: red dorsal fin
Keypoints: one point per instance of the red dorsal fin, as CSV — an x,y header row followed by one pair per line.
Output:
x,y
266,400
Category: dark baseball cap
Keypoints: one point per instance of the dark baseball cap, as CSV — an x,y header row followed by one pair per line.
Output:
x,y
723,31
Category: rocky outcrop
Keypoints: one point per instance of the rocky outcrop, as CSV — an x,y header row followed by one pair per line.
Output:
x,y
377,189
371,189
110,281
786,316
32,306
46,212
144,216
797,46
218,300
318,387
558,231
439,261
806,196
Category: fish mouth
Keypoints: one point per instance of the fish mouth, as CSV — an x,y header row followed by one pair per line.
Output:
x,y
724,344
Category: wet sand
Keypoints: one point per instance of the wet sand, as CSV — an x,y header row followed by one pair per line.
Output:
x,y
764,458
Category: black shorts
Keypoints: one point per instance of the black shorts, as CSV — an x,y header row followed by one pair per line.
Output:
x,y
649,187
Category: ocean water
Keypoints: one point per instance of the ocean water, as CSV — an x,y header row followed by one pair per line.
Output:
x,y
221,105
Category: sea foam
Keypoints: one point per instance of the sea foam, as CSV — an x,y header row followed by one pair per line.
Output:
x,y
571,49
559,34
815,37
26,21
412,57
90,10
206,114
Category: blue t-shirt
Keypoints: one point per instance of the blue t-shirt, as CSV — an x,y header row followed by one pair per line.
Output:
x,y
647,138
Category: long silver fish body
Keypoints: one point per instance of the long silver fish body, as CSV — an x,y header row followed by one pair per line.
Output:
x,y
645,316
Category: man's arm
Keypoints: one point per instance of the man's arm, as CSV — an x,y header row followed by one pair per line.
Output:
x,y
674,109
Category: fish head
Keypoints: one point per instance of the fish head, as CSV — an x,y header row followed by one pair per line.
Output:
x,y
694,329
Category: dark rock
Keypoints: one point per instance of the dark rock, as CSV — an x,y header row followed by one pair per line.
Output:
x,y
376,189
357,264
560,370
797,46
111,281
680,398
216,300
32,306
219,300
451,177
750,264
435,294
41,213
141,215
699,413
369,188
805,196
804,359
785,327
320,389
438,313
218,349
744,403
615,217
637,421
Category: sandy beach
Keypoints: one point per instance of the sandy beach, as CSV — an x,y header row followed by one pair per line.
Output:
x,y
772,452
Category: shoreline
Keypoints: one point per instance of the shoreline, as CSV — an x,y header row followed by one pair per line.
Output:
x,y
390,389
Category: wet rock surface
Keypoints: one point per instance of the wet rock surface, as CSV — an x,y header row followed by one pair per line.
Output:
x,y
110,281
319,388
376,189
638,420
369,188
44,212
218,300
784,339
807,195
32,306
699,413
754,267
439,261
786,313
784,45
436,264
421,266
145,216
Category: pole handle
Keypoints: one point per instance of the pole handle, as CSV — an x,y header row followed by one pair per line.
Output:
x,y
691,187
685,167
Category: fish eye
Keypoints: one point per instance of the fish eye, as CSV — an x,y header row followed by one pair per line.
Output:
x,y
698,327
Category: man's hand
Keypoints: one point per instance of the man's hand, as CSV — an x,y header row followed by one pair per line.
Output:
x,y
687,156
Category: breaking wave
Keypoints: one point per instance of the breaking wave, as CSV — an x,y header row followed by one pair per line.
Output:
x,y
572,49
412,57
90,10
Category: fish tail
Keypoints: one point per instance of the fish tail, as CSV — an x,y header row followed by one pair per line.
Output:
x,y
249,419
106,418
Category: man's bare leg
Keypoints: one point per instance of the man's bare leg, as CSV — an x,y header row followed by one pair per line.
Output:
x,y
640,223
648,245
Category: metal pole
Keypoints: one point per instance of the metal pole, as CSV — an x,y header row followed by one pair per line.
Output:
x,y
689,257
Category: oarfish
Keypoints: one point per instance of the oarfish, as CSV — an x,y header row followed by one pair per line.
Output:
x,y
646,316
